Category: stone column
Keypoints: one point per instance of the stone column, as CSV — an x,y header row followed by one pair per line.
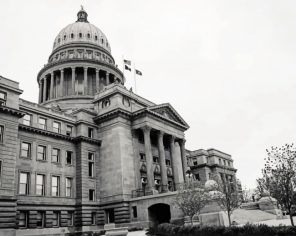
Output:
x,y
40,91
149,160
44,89
51,84
174,161
85,81
62,83
107,78
137,159
73,80
97,80
183,156
163,168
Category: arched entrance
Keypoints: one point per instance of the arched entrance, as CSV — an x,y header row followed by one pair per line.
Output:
x,y
159,213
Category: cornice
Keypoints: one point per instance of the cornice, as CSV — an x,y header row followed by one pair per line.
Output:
x,y
112,114
12,111
59,136
213,166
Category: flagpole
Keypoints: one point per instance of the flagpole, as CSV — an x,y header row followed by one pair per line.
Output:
x,y
135,78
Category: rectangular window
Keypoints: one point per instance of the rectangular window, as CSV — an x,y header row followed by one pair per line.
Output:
x,y
69,130
168,162
90,132
93,218
24,183
40,184
1,133
56,127
56,219
55,186
91,164
155,159
0,170
224,162
135,212
170,185
27,119
40,219
142,157
23,219
228,163
70,218
69,158
41,153
195,163
197,177
25,149
220,162
68,187
42,123
55,156
91,195
3,98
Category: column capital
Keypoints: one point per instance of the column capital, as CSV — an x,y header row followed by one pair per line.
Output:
x,y
160,133
182,141
172,138
73,67
107,73
62,70
52,73
97,70
146,129
85,68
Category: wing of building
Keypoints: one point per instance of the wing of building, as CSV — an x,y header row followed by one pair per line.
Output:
x,y
90,152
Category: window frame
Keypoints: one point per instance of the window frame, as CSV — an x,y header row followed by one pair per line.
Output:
x,y
90,132
92,197
58,185
25,220
58,219
3,100
40,126
71,218
25,120
58,156
2,133
71,187
71,132
42,219
28,174
44,183
54,129
44,154
91,164
29,156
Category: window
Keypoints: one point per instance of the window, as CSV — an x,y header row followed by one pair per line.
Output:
x,y
168,162
24,183
102,41
55,219
109,216
90,132
23,219
88,35
56,127
224,162
27,119
157,184
59,40
68,187
69,158
70,218
41,153
91,164
155,159
1,133
40,218
65,36
195,163
91,195
197,177
42,123
72,36
69,130
93,218
135,212
96,37
142,157
55,157
80,35
3,97
228,163
40,184
0,170
220,161
55,186
25,149
170,184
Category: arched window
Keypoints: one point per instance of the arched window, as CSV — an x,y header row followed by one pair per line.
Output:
x,y
88,35
72,36
80,35
102,41
65,37
96,37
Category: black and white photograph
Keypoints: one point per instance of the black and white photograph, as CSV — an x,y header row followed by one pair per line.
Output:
x,y
147,118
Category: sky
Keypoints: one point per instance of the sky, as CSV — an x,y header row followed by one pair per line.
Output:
x,y
227,66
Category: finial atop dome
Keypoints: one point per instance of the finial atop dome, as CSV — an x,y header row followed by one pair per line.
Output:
x,y
82,15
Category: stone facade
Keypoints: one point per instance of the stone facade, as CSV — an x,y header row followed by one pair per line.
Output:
x,y
90,152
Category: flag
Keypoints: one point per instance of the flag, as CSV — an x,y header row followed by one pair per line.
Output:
x,y
127,68
138,72
128,62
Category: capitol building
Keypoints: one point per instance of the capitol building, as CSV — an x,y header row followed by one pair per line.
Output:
x,y
91,152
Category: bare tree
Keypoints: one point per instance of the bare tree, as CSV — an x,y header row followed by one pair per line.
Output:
x,y
190,199
228,199
279,176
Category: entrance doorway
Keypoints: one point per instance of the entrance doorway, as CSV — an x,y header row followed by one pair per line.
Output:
x,y
158,214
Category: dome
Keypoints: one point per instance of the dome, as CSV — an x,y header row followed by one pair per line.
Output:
x,y
81,32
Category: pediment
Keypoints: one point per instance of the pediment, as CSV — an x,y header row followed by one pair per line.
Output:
x,y
168,112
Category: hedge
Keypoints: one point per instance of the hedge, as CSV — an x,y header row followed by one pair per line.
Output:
x,y
246,230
